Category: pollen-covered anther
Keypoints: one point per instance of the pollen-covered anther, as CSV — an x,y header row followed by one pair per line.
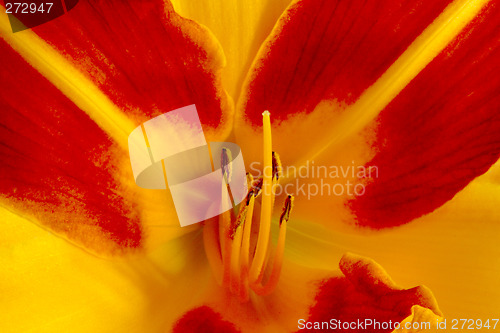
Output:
x,y
240,219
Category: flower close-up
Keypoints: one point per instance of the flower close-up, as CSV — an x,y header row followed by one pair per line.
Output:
x,y
370,135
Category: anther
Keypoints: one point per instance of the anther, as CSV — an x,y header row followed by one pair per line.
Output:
x,y
277,169
287,208
225,164
257,186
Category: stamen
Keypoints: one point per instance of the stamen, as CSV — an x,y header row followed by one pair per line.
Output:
x,y
287,208
225,218
239,220
277,173
245,247
230,257
277,168
225,164
257,186
266,208
273,280
225,245
212,248
249,180
226,168
236,235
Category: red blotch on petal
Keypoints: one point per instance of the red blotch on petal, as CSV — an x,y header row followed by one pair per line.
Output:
x,y
203,320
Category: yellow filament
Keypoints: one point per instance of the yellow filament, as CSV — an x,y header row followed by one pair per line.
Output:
x,y
235,279
273,193
273,280
225,245
236,232
212,248
266,208
245,249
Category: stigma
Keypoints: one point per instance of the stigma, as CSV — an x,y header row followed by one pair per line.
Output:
x,y
237,242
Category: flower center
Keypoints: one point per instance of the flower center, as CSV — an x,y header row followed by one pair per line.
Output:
x,y
238,252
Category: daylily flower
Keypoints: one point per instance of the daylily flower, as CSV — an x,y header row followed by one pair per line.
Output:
x,y
411,89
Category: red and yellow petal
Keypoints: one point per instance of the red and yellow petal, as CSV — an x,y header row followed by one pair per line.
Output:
x,y
324,51
396,89
76,88
59,167
440,132
146,58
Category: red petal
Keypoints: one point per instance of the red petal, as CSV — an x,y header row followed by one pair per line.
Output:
x,y
440,132
331,50
147,59
203,319
367,293
57,163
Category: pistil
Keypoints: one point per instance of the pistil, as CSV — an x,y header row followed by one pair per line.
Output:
x,y
266,207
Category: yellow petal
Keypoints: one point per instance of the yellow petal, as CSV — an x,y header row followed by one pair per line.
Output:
x,y
49,285
421,319
240,26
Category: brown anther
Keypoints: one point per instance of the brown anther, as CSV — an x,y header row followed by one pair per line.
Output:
x,y
257,186
249,195
225,164
287,208
277,169
238,222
